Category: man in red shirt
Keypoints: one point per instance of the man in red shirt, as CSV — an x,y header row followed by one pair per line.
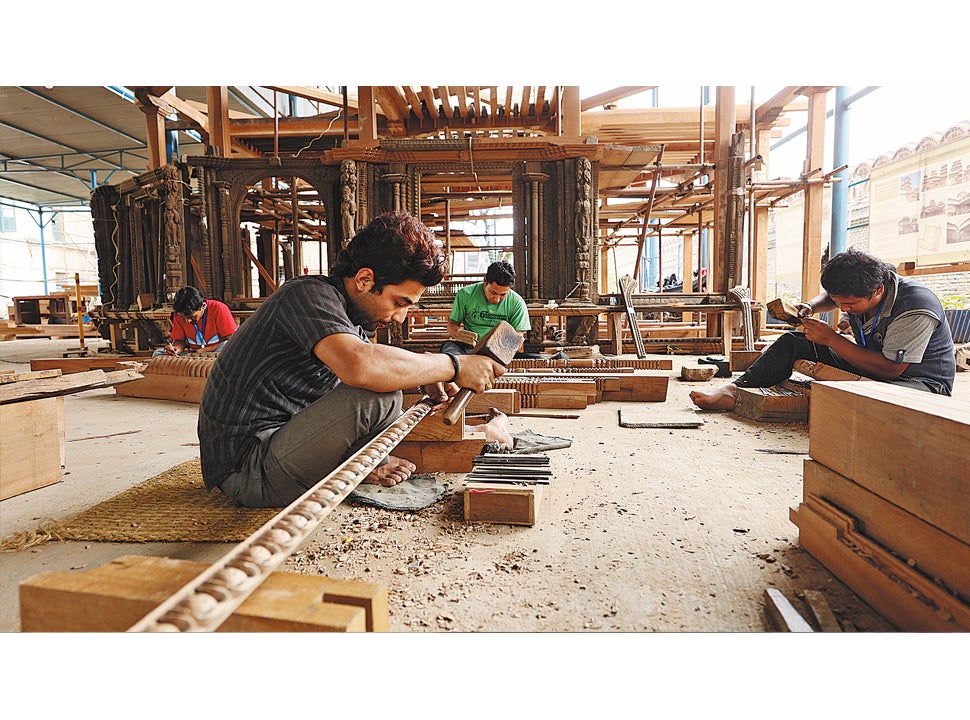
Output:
x,y
198,324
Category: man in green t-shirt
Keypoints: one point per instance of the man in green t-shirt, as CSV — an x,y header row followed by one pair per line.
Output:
x,y
480,307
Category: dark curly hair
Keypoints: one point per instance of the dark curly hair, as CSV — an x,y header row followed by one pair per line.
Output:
x,y
397,247
187,300
500,273
854,273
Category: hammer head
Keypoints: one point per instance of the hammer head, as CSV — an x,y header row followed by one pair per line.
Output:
x,y
500,343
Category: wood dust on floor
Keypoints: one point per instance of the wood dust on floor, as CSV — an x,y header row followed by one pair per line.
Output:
x,y
641,529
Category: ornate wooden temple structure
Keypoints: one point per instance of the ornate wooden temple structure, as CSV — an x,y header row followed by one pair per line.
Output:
x,y
239,219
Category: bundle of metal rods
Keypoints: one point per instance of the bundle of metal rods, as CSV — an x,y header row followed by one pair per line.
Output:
x,y
512,468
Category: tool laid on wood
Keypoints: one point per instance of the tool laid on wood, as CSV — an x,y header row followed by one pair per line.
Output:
x,y
500,343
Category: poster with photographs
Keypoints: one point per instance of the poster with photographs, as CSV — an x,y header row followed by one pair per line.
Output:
x,y
920,203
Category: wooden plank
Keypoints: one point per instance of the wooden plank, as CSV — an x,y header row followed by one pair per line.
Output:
x,y
783,614
907,446
771,405
904,597
10,377
31,445
501,503
924,547
641,417
741,360
824,617
114,596
60,385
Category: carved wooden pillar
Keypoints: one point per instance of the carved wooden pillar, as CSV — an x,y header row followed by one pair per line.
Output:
x,y
535,180
582,223
348,200
173,233
397,181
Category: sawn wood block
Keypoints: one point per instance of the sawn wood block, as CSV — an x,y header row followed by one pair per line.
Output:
x,y
906,446
115,596
502,503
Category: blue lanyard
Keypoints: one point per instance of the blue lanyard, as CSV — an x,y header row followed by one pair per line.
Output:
x,y
199,335
872,328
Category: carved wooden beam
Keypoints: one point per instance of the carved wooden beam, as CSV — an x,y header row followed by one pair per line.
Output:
x,y
208,600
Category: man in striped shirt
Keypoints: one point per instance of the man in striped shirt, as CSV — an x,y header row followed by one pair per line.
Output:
x,y
301,387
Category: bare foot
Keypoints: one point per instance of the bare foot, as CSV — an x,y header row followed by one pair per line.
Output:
x,y
392,472
723,398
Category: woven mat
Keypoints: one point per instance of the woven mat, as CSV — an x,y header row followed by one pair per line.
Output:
x,y
173,506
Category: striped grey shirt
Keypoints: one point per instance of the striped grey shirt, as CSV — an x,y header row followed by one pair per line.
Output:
x,y
268,372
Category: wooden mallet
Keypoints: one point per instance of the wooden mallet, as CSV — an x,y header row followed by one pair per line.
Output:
x,y
500,343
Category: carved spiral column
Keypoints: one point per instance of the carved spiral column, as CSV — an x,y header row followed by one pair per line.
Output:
x,y
348,200
582,220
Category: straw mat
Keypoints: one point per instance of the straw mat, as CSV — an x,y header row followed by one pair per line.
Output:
x,y
173,506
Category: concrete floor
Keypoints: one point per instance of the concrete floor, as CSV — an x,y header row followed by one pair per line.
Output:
x,y
97,469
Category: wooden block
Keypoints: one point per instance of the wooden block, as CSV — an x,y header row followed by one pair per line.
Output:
x,y
781,310
445,456
771,405
741,359
432,427
640,388
501,503
164,387
907,446
115,596
31,445
783,614
933,552
697,374
505,400
906,598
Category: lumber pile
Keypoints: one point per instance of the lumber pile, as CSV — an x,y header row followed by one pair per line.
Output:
x,y
884,504
113,597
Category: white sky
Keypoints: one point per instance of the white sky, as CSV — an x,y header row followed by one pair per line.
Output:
x,y
881,121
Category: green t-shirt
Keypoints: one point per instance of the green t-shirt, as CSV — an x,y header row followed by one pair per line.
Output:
x,y
472,309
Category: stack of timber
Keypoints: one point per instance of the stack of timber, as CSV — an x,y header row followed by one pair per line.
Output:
x,y
884,503
506,488
612,363
32,418
576,391
113,597
172,378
